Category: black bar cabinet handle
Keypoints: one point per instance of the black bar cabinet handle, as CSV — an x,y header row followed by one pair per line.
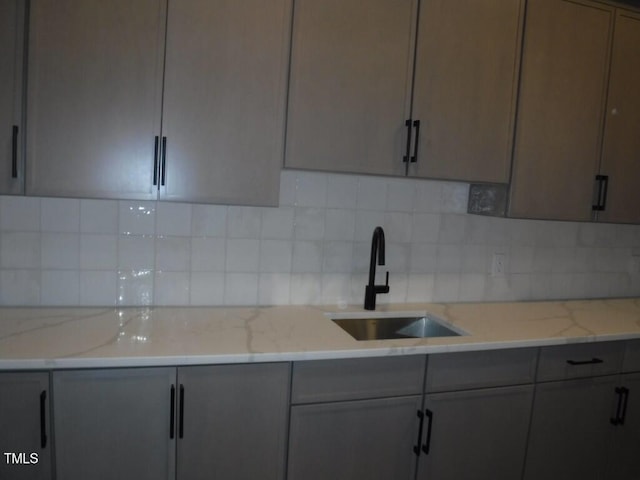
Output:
x,y
164,161
624,393
593,361
605,182
407,156
14,152
603,187
616,420
172,418
181,415
156,145
427,445
43,419
416,447
416,124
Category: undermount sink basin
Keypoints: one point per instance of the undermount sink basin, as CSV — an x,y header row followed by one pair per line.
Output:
x,y
383,327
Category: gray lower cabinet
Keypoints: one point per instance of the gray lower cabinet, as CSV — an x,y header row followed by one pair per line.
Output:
x,y
624,461
362,439
114,423
477,411
232,421
355,418
575,401
25,432
571,429
476,434
226,422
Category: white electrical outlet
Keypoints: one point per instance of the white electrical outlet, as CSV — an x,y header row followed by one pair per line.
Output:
x,y
498,265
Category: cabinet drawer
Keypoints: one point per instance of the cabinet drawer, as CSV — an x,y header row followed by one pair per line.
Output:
x,y
351,379
582,360
632,357
491,368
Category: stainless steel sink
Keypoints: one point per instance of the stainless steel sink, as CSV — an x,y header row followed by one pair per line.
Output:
x,y
375,327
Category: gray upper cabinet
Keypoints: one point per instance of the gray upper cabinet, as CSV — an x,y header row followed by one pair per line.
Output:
x,y
224,100
232,421
558,134
466,74
94,97
110,116
12,22
351,84
576,146
115,423
621,147
25,429
349,87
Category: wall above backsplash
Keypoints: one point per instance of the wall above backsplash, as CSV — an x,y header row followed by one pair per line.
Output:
x,y
313,249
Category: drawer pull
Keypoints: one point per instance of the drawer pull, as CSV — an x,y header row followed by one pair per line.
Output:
x,y
593,361
416,447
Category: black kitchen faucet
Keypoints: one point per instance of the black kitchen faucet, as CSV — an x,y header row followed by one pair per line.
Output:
x,y
377,250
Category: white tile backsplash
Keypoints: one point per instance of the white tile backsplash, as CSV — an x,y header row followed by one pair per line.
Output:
x,y
60,215
19,214
314,248
137,218
60,287
173,219
98,252
60,251
243,222
20,250
209,221
99,216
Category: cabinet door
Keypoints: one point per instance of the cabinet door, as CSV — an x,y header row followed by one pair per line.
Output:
x,y
467,61
11,54
368,439
224,100
114,423
349,86
94,97
571,429
621,148
624,461
233,421
25,433
479,434
561,103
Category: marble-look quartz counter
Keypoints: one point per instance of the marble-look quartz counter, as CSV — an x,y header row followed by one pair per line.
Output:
x,y
51,338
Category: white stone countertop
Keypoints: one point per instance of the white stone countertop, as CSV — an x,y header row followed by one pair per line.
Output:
x,y
57,338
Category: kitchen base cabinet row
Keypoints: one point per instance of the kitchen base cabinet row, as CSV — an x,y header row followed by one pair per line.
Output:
x,y
148,423
570,412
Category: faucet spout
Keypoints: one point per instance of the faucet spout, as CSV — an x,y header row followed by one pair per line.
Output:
x,y
377,254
